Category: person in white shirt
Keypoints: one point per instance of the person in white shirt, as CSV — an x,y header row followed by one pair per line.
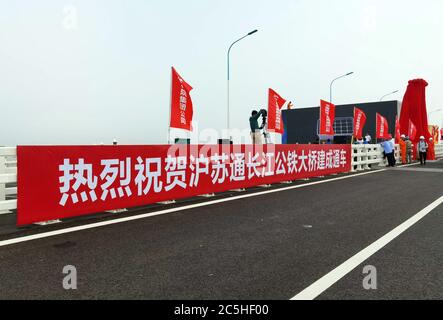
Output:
x,y
368,138
423,150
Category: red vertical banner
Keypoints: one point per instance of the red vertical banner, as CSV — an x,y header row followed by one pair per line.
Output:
x,y
181,104
275,105
382,127
359,123
327,118
412,131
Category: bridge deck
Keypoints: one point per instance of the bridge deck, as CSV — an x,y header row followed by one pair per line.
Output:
x,y
270,246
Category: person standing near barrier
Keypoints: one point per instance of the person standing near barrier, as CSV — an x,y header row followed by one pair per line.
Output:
x,y
409,146
389,150
368,139
402,144
255,128
392,142
423,150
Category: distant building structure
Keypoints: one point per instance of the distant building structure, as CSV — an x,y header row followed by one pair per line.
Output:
x,y
301,125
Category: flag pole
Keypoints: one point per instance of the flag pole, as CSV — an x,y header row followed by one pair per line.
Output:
x,y
319,125
376,129
170,115
353,134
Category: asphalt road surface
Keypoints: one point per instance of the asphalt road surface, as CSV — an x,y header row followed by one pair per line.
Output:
x,y
267,246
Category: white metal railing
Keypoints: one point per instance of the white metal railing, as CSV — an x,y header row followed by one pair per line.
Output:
x,y
8,175
364,156
439,151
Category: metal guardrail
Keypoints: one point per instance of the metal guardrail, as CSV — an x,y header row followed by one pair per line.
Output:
x,y
8,175
439,151
366,155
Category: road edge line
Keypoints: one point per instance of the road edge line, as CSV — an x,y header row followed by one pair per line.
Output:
x,y
327,281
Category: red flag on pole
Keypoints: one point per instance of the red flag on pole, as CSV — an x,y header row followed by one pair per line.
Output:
x,y
181,103
412,131
397,130
275,104
382,127
327,118
359,123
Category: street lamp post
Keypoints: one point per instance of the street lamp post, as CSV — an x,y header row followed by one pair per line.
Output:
x,y
330,87
388,94
229,51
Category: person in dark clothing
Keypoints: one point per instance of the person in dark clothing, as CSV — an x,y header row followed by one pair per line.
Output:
x,y
255,128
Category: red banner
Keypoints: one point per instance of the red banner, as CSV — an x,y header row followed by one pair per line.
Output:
x,y
327,118
382,127
359,123
181,103
66,181
275,104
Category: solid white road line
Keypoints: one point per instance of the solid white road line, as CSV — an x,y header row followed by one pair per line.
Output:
x,y
162,212
321,285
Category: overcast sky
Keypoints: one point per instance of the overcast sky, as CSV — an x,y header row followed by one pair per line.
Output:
x,y
88,71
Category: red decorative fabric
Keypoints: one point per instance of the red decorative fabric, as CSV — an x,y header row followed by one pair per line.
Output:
x,y
413,132
414,109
